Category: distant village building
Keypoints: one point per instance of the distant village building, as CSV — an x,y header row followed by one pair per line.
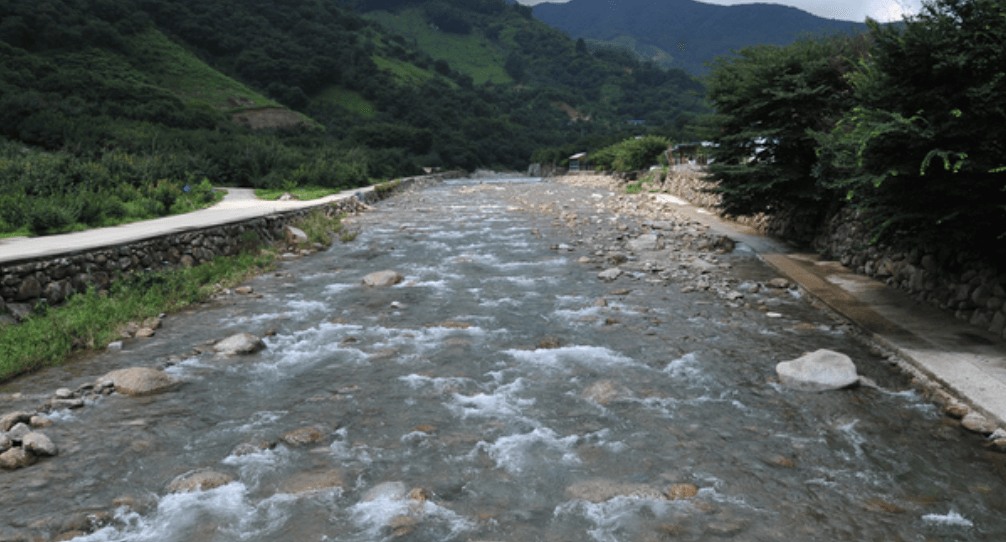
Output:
x,y
687,153
578,162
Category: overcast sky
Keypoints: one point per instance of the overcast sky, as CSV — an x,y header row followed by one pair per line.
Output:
x,y
849,10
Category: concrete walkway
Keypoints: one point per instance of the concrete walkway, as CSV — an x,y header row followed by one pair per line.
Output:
x,y
966,360
238,204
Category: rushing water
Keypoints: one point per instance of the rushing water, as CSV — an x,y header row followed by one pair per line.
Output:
x,y
493,380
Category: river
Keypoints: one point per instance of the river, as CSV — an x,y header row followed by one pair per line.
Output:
x,y
502,392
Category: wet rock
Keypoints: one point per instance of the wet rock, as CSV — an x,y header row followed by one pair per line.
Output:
x,y
137,381
999,444
584,260
16,458
308,482
66,403
646,242
248,448
13,418
199,480
294,236
979,424
5,442
39,444
153,323
18,432
600,490
822,370
780,283
64,393
394,491
605,391
143,333
725,528
243,290
302,436
610,274
242,343
681,491
383,278
956,410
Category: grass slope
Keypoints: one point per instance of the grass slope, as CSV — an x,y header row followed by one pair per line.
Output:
x,y
473,54
348,99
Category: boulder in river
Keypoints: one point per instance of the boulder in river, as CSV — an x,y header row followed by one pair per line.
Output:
x,y
302,436
18,432
5,443
199,480
242,343
16,458
11,419
39,444
383,278
978,423
137,381
610,274
822,370
605,391
309,482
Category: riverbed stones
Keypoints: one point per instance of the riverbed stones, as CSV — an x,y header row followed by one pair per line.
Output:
x,y
956,410
302,436
310,482
822,370
18,432
294,236
779,283
599,490
143,333
380,279
11,419
39,444
979,424
199,480
239,344
137,381
604,392
681,491
5,443
39,422
243,290
609,275
646,242
17,458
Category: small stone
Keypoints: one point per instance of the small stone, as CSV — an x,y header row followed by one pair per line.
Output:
x,y
956,410
14,418
143,333
383,278
979,424
67,403
19,431
64,393
605,391
5,442
999,444
242,343
295,236
302,436
114,346
138,381
39,444
199,480
609,274
40,421
153,323
16,458
681,491
310,482
243,290
584,260
780,283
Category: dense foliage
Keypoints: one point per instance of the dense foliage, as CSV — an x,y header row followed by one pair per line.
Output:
x,y
631,154
908,125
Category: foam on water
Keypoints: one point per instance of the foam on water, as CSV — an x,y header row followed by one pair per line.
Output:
x,y
416,381
373,517
950,518
339,287
561,358
503,403
613,517
514,453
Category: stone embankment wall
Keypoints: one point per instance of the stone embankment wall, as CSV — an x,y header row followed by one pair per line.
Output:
x,y
25,283
961,283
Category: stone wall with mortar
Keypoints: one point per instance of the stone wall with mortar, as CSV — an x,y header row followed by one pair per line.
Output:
x,y
25,283
962,283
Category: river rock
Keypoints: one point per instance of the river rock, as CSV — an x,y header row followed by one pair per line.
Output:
x,y
779,283
599,490
243,290
956,410
40,421
13,418
609,274
295,236
143,333
646,242
302,436
242,343
681,491
822,370
39,444
383,278
18,432
5,442
394,491
307,482
199,480
16,458
605,391
978,423
137,381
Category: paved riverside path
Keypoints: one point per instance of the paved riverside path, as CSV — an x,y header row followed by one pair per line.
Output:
x,y
238,204
965,359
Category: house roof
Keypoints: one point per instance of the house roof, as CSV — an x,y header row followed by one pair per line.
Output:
x,y
578,156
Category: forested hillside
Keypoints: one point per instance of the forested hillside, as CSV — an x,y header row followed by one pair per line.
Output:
x,y
685,33
175,85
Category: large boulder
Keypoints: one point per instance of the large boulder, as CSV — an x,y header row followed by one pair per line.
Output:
x,y
138,381
822,370
978,423
295,236
610,274
39,444
9,420
16,458
383,278
199,480
242,343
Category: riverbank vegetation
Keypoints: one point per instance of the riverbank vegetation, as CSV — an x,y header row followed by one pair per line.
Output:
x,y
906,123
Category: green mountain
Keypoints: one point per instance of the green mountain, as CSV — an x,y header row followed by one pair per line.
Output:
x,y
685,33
